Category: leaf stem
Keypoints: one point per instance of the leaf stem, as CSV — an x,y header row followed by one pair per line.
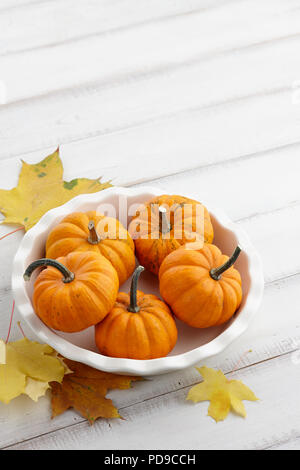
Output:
x,y
10,323
10,233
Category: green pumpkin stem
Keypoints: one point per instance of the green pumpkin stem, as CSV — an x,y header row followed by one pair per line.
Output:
x,y
68,275
94,238
133,307
216,273
164,224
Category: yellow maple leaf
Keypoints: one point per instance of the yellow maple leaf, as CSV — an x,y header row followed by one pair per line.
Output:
x,y
2,352
40,188
28,368
35,388
222,393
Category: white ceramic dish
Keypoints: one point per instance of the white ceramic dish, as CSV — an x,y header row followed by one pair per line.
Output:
x,y
193,345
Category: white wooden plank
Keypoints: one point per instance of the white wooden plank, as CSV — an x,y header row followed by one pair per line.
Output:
x,y
187,140
264,170
247,185
14,4
276,237
197,431
226,87
218,184
202,35
84,18
289,442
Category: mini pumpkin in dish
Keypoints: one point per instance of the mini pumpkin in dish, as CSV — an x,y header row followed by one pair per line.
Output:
x,y
74,292
202,287
140,326
92,231
166,223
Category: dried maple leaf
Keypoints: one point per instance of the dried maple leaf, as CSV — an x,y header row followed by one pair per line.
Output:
x,y
28,367
222,393
41,188
85,391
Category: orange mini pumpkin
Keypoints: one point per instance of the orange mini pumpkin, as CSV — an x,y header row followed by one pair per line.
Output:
x,y
91,231
166,223
140,326
73,292
201,286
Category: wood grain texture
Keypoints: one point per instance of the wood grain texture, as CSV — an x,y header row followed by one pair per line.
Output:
x,y
17,4
159,102
85,18
200,36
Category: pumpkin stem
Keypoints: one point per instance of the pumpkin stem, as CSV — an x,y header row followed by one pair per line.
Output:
x,y
94,238
164,224
216,273
133,307
68,275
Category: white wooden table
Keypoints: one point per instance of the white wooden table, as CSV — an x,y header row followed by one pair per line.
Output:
x,y
190,95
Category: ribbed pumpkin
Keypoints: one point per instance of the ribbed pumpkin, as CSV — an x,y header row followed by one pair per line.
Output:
x,y
74,292
91,231
140,326
201,286
166,223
